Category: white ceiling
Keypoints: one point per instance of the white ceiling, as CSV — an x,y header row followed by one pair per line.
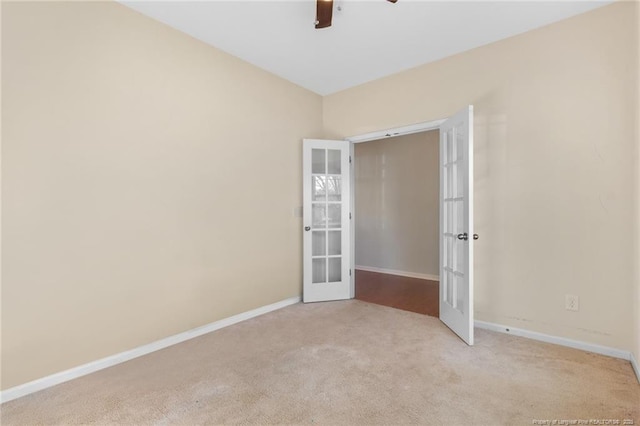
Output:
x,y
368,39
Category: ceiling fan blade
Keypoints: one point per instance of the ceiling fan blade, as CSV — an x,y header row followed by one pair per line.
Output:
x,y
324,12
392,1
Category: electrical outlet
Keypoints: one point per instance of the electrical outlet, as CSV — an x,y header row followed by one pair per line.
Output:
x,y
571,302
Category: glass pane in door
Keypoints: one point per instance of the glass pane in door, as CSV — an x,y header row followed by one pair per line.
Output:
x,y
319,270
334,189
334,215
318,188
460,293
335,243
334,161
335,269
319,243
318,161
318,215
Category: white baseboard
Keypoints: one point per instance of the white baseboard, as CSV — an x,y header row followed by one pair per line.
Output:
x,y
576,344
91,367
636,367
399,273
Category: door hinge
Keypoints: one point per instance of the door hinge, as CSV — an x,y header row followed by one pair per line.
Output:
x,y
349,159
350,217
349,272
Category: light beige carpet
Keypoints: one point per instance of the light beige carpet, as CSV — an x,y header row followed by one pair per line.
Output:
x,y
343,363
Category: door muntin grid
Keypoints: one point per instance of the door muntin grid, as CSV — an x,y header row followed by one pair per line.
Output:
x,y
326,215
454,262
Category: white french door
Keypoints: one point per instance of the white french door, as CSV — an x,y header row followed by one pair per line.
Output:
x,y
456,224
326,220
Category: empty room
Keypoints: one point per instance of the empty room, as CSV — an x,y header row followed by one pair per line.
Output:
x,y
180,212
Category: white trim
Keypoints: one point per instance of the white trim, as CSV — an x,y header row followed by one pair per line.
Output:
x,y
91,367
397,131
576,344
399,273
636,367
352,224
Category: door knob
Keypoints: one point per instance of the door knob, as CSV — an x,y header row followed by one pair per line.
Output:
x,y
307,228
463,236
475,236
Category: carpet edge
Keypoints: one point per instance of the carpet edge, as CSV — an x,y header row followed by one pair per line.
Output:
x,y
576,344
109,361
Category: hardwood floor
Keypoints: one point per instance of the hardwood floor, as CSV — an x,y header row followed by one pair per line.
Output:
x,y
409,294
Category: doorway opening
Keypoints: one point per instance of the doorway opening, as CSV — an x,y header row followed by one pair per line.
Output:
x,y
329,231
396,193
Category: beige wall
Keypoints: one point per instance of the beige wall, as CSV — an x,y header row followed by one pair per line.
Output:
x,y
396,203
554,171
149,183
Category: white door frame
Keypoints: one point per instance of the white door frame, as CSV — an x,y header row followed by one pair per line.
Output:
x,y
367,137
